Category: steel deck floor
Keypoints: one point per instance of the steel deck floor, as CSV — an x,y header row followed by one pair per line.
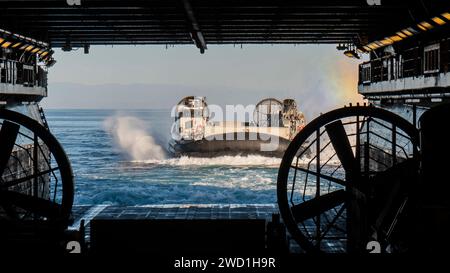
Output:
x,y
176,211
179,212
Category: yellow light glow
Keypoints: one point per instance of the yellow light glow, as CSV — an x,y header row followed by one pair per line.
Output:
x,y
396,38
40,51
29,48
425,26
351,54
44,54
35,50
1,40
446,15
401,34
421,27
16,45
348,54
438,21
373,46
387,41
6,44
407,32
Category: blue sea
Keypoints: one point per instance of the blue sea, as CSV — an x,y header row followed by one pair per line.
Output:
x,y
119,157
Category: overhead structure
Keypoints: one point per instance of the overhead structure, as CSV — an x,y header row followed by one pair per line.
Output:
x,y
26,46
196,33
439,20
64,24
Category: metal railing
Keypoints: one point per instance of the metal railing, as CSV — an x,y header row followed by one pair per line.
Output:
x,y
408,63
18,73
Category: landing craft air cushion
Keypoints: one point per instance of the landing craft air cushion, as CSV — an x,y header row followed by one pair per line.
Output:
x,y
274,125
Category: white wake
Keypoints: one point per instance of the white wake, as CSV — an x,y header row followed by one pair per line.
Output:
x,y
241,161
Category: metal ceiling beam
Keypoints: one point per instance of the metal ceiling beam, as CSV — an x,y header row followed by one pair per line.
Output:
x,y
242,29
195,31
212,37
212,21
187,42
205,32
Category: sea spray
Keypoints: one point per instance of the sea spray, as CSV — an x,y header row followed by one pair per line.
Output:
x,y
231,161
132,137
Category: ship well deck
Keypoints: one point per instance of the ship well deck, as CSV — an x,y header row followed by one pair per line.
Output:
x,y
182,228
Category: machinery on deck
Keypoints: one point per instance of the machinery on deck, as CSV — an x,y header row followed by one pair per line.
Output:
x,y
362,183
36,186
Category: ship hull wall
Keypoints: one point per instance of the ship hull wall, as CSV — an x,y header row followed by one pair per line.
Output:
x,y
231,144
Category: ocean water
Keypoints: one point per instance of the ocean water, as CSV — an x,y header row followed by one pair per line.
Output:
x,y
119,157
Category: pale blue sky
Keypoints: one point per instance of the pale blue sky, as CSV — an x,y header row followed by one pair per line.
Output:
x,y
130,77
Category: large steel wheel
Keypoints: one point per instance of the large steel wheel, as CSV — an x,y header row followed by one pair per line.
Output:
x,y
36,181
345,178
